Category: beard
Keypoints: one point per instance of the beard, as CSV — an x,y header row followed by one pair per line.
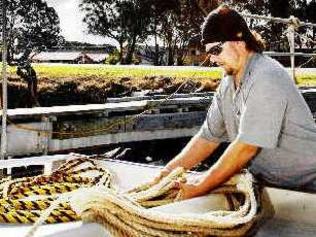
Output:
x,y
229,70
227,67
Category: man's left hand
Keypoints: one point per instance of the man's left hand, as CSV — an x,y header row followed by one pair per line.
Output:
x,y
190,189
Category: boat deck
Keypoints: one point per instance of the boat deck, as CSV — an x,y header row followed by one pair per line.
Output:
x,y
294,211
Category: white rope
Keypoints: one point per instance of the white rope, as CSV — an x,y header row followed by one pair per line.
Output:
x,y
91,197
43,217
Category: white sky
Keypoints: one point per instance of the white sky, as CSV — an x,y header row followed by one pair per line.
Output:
x,y
73,29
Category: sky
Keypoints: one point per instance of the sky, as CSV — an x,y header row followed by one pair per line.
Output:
x,y
73,29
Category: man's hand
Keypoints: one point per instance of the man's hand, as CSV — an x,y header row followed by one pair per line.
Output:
x,y
192,188
163,173
236,157
188,191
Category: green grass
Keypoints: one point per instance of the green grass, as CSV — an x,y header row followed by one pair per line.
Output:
x,y
106,71
115,72
306,79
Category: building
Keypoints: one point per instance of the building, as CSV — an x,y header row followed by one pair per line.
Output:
x,y
71,57
74,54
196,52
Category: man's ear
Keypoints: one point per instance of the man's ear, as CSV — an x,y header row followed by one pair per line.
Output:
x,y
240,45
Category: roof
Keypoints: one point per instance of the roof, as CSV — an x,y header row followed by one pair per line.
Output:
x,y
57,56
97,57
69,56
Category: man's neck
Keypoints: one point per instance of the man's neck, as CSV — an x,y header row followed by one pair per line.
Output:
x,y
242,68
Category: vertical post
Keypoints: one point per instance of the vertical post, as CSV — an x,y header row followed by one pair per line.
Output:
x,y
44,136
293,24
4,83
292,51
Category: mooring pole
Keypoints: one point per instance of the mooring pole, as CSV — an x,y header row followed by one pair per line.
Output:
x,y
291,39
4,84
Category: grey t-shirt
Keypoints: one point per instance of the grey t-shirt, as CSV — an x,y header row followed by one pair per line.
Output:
x,y
267,110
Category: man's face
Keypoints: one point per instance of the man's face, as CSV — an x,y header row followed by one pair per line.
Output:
x,y
225,55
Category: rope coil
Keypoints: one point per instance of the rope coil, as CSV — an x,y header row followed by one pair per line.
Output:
x,y
82,189
127,214
24,200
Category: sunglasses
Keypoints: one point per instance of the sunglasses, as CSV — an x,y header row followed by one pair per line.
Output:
x,y
216,49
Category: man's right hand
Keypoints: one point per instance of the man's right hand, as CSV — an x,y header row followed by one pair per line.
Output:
x,y
163,173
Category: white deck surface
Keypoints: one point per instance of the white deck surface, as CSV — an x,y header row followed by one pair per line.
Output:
x,y
295,212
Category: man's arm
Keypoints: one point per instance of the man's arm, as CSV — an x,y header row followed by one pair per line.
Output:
x,y
235,157
197,150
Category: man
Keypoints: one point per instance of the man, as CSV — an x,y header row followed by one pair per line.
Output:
x,y
257,108
27,73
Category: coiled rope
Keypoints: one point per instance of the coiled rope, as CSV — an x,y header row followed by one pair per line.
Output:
x,y
126,214
24,200
82,189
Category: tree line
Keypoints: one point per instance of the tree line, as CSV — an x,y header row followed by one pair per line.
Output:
x,y
33,26
174,22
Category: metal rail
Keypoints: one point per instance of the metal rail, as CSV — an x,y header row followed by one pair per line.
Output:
x,y
286,21
287,54
293,24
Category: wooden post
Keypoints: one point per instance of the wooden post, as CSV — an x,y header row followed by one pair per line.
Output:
x,y
291,39
4,85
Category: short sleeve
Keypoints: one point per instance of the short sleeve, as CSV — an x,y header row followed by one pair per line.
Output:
x,y
213,128
263,114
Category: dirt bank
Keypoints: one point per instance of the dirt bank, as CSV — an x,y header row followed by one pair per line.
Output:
x,y
71,91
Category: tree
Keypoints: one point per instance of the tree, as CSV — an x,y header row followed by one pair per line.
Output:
x,y
207,6
158,9
126,21
167,30
178,25
32,26
190,21
311,16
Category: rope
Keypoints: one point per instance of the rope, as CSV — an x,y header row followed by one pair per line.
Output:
x,y
24,200
127,214
82,188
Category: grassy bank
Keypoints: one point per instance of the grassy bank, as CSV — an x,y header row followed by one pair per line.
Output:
x,y
60,84
138,73
116,72
306,79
